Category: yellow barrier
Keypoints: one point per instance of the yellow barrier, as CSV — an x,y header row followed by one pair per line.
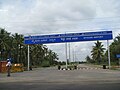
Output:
x,y
17,68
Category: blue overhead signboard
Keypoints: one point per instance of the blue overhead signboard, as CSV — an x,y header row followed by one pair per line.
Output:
x,y
68,37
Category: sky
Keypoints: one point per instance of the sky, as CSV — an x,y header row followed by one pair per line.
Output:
x,y
31,17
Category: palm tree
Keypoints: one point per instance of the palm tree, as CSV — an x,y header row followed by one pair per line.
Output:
x,y
97,52
18,45
115,49
12,46
52,57
5,42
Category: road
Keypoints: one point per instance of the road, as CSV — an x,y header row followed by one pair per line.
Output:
x,y
53,79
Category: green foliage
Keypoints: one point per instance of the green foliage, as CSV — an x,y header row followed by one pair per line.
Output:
x,y
12,46
97,52
45,63
62,63
98,55
115,49
89,60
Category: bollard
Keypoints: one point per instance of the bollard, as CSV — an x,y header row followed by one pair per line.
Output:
x,y
75,67
59,67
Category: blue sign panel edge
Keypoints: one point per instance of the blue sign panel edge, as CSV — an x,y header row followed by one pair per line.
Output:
x,y
118,55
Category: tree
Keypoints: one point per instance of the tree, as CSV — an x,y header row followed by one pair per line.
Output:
x,y
17,46
115,49
12,46
5,42
97,52
51,57
37,54
89,60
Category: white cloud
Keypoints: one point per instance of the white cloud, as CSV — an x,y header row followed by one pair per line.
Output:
x,y
60,16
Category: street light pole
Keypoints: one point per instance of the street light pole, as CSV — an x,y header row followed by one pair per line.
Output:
x,y
73,55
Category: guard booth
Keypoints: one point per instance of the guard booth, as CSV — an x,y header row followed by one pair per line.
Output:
x,y
3,67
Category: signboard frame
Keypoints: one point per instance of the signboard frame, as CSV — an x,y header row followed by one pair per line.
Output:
x,y
68,37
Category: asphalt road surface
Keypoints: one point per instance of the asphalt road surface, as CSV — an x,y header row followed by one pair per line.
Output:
x,y
53,79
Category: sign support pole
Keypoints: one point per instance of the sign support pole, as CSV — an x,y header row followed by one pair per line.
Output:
x,y
108,53
69,53
66,54
28,57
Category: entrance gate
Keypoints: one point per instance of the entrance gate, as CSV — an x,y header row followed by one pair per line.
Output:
x,y
69,37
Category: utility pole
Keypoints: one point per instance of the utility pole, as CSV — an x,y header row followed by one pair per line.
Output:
x,y
73,55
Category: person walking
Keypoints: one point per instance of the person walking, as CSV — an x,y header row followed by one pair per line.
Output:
x,y
8,65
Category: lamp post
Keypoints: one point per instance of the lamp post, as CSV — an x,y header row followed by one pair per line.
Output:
x,y
74,53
